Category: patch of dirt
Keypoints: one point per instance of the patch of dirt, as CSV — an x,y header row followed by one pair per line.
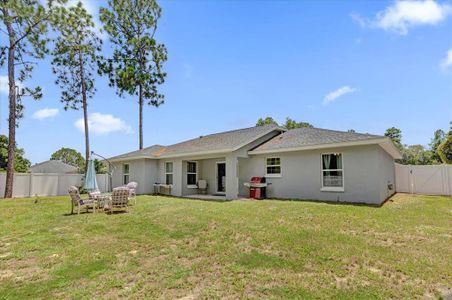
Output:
x,y
4,274
400,198
242,242
22,270
387,239
5,255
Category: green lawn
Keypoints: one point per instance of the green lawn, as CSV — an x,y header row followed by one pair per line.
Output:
x,y
180,248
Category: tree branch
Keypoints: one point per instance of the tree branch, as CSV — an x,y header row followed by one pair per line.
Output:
x,y
30,30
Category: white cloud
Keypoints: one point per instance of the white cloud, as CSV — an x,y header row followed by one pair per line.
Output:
x,y
447,62
405,14
103,124
45,113
332,96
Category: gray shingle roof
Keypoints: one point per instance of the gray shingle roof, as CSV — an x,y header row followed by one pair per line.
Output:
x,y
53,166
223,141
150,152
302,137
217,142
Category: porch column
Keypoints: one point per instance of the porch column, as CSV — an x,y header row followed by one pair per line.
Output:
x,y
232,178
177,178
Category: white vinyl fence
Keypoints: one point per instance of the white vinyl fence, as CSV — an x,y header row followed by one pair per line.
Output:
x,y
49,184
429,180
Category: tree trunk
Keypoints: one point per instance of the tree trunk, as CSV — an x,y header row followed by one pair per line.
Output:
x,y
85,108
12,110
140,102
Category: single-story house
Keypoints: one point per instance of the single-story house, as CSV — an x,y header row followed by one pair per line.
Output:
x,y
53,166
304,163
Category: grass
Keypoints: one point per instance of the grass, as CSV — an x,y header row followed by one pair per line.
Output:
x,y
179,248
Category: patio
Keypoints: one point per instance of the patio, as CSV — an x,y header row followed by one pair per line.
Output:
x,y
206,197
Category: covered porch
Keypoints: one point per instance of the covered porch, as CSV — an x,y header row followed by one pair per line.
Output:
x,y
219,173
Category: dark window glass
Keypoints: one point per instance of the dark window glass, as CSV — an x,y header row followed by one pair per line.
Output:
x,y
126,179
191,179
169,178
332,161
274,170
191,167
273,161
273,165
169,167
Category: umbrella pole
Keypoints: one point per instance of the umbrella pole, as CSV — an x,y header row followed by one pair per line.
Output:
x,y
111,167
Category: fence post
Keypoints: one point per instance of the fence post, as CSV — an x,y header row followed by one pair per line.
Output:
x,y
448,179
410,179
58,185
30,184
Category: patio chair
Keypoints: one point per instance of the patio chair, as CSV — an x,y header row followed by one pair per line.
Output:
x,y
119,199
132,186
79,202
202,186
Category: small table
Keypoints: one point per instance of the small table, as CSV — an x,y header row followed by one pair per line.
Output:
x,y
102,200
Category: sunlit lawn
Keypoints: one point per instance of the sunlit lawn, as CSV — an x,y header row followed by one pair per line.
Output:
x,y
174,248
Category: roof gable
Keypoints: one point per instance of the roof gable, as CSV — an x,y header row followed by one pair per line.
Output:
x,y
312,136
148,152
315,138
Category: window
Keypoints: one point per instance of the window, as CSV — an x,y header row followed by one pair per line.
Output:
x,y
273,166
169,173
192,174
125,173
332,172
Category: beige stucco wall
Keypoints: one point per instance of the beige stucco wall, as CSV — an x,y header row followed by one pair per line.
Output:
x,y
386,167
301,174
367,172
142,171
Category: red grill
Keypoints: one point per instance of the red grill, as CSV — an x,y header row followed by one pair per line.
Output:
x,y
258,188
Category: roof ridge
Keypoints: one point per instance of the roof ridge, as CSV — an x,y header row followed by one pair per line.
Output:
x,y
338,131
51,160
242,129
228,131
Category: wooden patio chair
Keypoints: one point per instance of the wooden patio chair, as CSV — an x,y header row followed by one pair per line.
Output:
x,y
119,199
79,202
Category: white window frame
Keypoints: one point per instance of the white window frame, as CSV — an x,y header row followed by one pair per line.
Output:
x,y
332,188
274,175
192,186
124,174
169,173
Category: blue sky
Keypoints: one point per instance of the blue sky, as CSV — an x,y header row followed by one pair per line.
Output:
x,y
366,65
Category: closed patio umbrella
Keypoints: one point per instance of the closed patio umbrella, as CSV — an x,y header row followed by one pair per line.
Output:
x,y
90,177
